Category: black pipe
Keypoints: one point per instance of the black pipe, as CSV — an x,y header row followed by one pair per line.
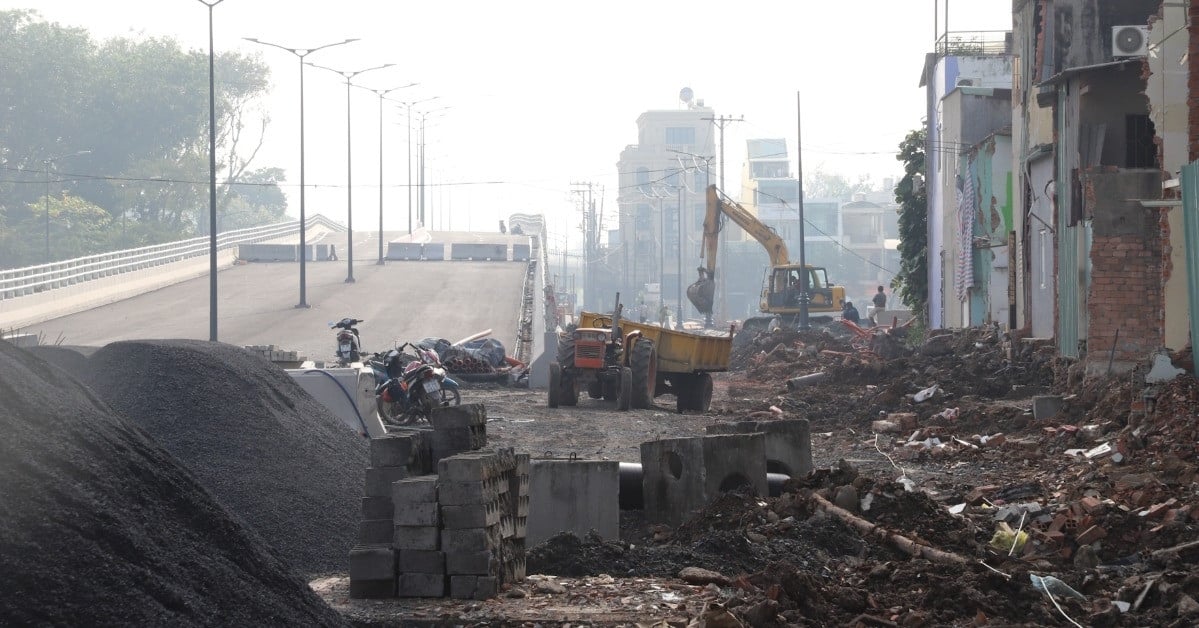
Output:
x,y
633,498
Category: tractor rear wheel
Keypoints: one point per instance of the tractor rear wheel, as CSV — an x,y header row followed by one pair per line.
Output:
x,y
624,396
645,373
555,394
566,351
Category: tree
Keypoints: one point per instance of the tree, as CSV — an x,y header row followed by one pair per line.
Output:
x,y
912,279
140,109
820,184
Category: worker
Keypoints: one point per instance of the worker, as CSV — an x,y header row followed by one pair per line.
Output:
x,y
880,304
850,313
663,314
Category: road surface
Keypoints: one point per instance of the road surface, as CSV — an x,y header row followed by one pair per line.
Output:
x,y
399,301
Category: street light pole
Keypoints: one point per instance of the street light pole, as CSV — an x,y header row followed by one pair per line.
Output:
x,y
804,297
300,53
381,93
46,199
212,229
349,167
408,161
421,148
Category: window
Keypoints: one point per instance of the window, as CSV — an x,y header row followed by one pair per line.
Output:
x,y
1141,152
680,135
642,175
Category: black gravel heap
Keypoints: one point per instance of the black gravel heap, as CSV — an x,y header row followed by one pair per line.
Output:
x,y
270,453
101,526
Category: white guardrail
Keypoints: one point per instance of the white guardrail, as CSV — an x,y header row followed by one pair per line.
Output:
x,y
19,282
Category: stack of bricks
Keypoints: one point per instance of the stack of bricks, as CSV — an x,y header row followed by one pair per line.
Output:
x,y
393,458
483,523
274,354
457,429
417,538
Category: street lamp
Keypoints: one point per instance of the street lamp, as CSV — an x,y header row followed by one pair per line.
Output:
x,y
382,93
46,200
423,116
300,53
408,108
211,178
349,74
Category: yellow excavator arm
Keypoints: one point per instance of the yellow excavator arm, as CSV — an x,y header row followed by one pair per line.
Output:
x,y
702,292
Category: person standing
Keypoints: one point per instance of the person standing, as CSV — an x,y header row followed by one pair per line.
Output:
x,y
880,303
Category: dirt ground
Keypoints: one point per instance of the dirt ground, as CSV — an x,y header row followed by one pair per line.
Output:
x,y
947,511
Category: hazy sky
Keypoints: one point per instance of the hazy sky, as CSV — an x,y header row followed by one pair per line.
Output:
x,y
543,93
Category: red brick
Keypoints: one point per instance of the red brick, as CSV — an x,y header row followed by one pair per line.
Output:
x,y
1090,535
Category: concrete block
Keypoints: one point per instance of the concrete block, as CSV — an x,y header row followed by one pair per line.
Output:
x,y
393,450
461,493
416,514
421,561
468,467
574,496
474,563
471,540
404,250
434,251
421,585
375,531
377,508
788,443
463,416
520,252
479,251
473,587
416,538
419,489
453,441
1046,406
372,562
380,479
682,475
372,589
470,516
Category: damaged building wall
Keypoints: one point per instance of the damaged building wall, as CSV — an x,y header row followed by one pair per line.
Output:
x,y
1124,304
992,224
1167,86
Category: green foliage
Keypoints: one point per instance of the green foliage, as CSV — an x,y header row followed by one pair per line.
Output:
x,y
911,282
139,107
820,184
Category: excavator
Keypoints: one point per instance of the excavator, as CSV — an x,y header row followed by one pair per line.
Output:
x,y
780,295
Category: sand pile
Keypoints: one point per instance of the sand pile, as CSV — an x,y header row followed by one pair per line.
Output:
x,y
269,452
101,526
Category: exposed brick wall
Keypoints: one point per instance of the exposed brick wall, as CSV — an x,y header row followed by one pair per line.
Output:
x,y
1126,294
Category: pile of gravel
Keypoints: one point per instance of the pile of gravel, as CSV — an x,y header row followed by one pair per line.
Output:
x,y
100,526
270,453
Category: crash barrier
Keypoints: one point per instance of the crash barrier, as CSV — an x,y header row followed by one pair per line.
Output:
x,y
19,282
29,296
283,252
460,251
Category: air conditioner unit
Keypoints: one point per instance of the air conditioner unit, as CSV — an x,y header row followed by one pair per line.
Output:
x,y
1130,41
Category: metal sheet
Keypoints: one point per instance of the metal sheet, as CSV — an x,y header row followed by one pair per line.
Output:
x,y
1190,222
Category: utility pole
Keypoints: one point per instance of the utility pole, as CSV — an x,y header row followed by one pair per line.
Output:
x,y
585,189
804,297
723,312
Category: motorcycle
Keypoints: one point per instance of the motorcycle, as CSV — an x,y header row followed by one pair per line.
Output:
x,y
349,346
409,387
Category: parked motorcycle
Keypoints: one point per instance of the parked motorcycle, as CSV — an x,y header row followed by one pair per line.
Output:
x,y
409,387
349,345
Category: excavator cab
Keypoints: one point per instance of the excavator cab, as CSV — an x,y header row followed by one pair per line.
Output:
x,y
782,290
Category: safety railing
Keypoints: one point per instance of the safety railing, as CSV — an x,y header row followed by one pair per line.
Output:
x,y
18,282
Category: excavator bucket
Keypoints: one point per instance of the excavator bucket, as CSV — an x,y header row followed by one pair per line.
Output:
x,y
702,294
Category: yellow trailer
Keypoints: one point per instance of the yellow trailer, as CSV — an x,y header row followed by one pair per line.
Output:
x,y
666,361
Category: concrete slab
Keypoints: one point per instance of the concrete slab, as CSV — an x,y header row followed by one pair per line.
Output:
x,y
372,562
682,475
1046,406
573,496
336,387
788,443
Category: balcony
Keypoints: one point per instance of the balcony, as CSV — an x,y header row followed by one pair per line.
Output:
x,y
974,44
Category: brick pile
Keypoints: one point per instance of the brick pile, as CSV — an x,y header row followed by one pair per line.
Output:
x,y
459,532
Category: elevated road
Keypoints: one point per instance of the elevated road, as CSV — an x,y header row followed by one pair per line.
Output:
x,y
399,301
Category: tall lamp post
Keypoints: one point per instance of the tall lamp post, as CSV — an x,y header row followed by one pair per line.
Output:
x,y
300,53
350,74
46,199
211,177
381,93
424,115
408,112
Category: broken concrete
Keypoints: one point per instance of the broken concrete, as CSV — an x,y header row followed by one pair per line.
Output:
x,y
682,475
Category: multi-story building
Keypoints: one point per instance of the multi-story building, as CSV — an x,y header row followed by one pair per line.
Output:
x,y
662,179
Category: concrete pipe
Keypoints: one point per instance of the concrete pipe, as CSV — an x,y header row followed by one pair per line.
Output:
x,y
796,383
632,497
